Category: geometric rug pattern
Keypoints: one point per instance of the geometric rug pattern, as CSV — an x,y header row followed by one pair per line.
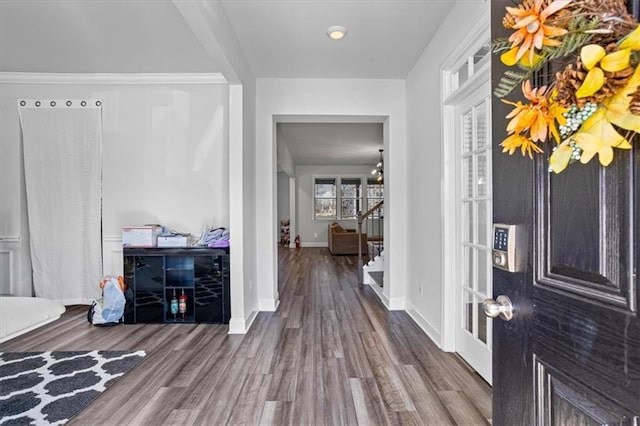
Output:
x,y
42,388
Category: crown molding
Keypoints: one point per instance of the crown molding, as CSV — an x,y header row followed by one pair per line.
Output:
x,y
102,78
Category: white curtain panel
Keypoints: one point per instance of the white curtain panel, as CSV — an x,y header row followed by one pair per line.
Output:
x,y
62,142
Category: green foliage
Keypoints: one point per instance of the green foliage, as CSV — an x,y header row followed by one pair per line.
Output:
x,y
509,81
500,44
576,37
571,43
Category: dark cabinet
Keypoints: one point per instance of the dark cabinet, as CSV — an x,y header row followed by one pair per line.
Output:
x,y
158,275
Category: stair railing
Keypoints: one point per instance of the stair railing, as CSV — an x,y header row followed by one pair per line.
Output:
x,y
373,221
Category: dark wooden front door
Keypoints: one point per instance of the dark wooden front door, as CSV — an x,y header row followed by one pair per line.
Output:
x,y
571,353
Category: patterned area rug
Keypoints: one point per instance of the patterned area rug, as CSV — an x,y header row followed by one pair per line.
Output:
x,y
41,388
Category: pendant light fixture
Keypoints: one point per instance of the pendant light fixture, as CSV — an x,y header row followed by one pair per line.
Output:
x,y
379,170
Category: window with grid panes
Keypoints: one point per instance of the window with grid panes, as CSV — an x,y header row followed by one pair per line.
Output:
x,y
325,199
350,197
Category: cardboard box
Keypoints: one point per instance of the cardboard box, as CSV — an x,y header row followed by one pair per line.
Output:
x,y
140,236
172,241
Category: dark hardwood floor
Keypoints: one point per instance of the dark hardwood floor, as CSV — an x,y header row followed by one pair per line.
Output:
x,y
330,355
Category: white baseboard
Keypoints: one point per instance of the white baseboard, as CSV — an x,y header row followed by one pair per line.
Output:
x,y
241,325
397,303
314,244
432,332
268,305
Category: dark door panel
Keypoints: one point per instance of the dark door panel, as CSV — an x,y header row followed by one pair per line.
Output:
x,y
562,401
571,353
583,232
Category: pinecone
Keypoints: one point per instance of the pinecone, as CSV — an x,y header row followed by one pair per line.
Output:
x,y
634,105
571,78
612,15
614,82
568,81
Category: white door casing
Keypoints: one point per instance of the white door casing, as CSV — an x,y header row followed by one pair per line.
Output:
x,y
464,76
472,236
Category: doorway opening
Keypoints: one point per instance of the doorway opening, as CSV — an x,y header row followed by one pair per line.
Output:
x,y
328,162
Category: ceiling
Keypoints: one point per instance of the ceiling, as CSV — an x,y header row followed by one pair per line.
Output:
x,y
288,38
98,36
279,38
338,144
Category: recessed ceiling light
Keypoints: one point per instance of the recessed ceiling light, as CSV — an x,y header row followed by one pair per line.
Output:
x,y
336,32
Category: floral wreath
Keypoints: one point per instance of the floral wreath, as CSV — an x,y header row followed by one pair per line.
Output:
x,y
593,104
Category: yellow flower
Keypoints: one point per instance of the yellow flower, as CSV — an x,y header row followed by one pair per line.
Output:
x,y
516,141
509,58
593,55
532,32
618,106
560,157
631,40
556,114
598,136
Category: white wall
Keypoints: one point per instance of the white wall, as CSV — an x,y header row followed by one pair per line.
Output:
x,y
283,198
165,150
313,233
285,159
425,169
384,99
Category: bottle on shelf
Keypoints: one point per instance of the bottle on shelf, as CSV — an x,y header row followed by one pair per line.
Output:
x,y
182,304
174,304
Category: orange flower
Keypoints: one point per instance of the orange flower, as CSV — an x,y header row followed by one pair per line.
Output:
x,y
536,117
516,141
531,31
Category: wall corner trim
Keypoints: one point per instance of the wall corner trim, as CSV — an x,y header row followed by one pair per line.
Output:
x,y
241,325
111,78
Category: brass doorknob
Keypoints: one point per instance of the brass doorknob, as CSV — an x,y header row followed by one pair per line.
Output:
x,y
501,307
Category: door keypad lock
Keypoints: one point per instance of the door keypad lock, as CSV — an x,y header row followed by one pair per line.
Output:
x,y
504,247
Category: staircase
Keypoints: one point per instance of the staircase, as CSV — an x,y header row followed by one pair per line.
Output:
x,y
371,224
373,271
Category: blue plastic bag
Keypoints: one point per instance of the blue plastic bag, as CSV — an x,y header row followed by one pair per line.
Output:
x,y
109,309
